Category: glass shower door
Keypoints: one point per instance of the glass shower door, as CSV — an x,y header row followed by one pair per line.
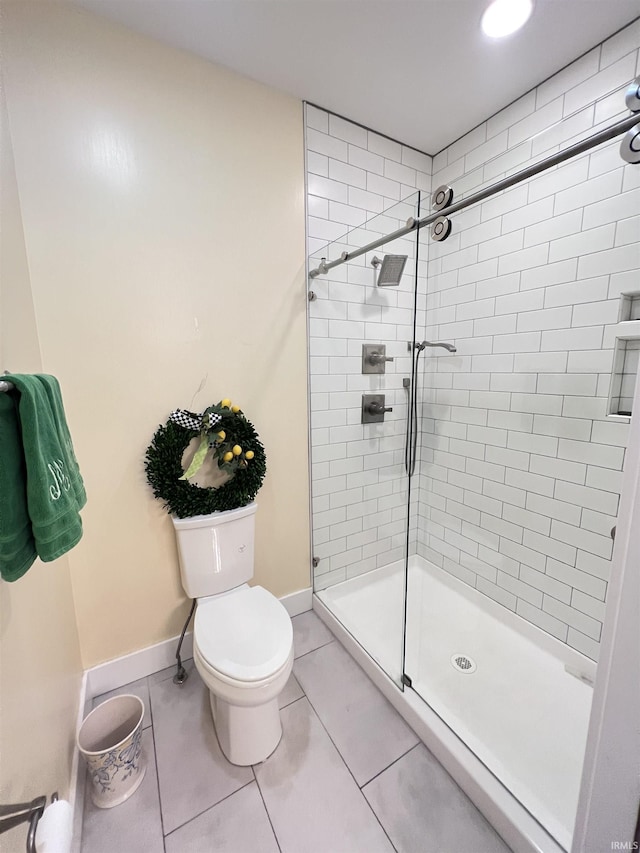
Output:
x,y
361,327
525,438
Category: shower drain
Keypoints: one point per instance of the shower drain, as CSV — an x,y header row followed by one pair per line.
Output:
x,y
463,663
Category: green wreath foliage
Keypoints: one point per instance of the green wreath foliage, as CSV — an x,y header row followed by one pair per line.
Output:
x,y
163,465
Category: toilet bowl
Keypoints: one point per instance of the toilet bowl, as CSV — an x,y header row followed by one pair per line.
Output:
x,y
242,636
243,650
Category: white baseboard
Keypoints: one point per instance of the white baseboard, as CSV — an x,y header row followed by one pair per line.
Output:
x,y
77,781
298,602
75,761
115,673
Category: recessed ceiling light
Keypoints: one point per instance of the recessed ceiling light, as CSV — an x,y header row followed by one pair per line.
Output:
x,y
504,17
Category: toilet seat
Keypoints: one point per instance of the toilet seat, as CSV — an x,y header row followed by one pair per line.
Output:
x,y
244,636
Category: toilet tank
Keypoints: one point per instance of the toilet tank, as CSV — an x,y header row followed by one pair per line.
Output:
x,y
216,551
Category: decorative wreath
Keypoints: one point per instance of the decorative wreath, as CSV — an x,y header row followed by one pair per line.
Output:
x,y
226,433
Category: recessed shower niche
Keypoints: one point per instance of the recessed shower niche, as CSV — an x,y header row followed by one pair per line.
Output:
x,y
629,306
626,357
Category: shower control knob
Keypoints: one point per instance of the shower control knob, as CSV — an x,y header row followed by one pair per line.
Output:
x,y
379,358
374,409
378,408
374,358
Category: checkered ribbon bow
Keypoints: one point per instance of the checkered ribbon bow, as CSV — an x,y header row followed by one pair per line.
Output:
x,y
191,420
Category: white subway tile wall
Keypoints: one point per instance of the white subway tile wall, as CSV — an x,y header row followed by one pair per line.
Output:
x,y
354,174
535,274
519,466
359,484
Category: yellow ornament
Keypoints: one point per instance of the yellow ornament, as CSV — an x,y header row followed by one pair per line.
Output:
x,y
237,450
249,454
228,456
235,409
226,403
222,435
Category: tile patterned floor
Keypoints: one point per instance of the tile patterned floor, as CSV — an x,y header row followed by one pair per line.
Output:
x,y
349,776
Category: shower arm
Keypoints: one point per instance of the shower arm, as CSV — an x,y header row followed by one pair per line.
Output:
x,y
443,344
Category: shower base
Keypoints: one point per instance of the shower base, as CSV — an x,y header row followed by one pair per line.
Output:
x,y
512,703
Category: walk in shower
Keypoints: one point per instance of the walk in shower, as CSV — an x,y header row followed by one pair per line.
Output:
x,y
469,421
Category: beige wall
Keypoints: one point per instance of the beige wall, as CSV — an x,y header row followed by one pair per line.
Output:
x,y
40,667
162,201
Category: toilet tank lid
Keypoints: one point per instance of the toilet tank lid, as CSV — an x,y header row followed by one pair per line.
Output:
x,y
214,518
245,634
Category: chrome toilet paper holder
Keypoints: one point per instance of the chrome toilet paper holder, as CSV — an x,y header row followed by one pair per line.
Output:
x,y
31,812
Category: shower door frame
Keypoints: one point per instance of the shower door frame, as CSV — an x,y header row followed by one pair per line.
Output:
x,y
416,198
609,803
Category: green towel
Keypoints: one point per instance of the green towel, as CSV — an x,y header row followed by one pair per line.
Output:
x,y
52,389
17,548
55,492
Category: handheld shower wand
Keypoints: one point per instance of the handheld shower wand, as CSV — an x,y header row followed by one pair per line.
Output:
x,y
411,440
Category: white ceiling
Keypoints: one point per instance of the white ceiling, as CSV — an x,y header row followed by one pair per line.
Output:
x,y
419,71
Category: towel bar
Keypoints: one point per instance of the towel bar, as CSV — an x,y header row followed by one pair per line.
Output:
x,y
14,815
6,386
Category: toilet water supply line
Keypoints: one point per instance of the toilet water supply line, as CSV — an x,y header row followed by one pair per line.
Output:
x,y
181,673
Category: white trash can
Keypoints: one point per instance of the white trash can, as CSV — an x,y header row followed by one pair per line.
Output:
x,y
110,739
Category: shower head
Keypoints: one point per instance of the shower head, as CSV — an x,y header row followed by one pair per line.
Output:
x,y
391,269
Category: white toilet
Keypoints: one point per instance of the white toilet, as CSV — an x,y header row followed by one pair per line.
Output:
x,y
242,637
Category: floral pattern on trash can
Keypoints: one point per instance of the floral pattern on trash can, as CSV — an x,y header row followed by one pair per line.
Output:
x,y
110,739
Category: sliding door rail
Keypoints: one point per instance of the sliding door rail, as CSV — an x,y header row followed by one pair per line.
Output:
x,y
587,144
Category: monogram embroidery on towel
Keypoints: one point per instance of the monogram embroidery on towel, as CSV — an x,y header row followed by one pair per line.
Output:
x,y
60,479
